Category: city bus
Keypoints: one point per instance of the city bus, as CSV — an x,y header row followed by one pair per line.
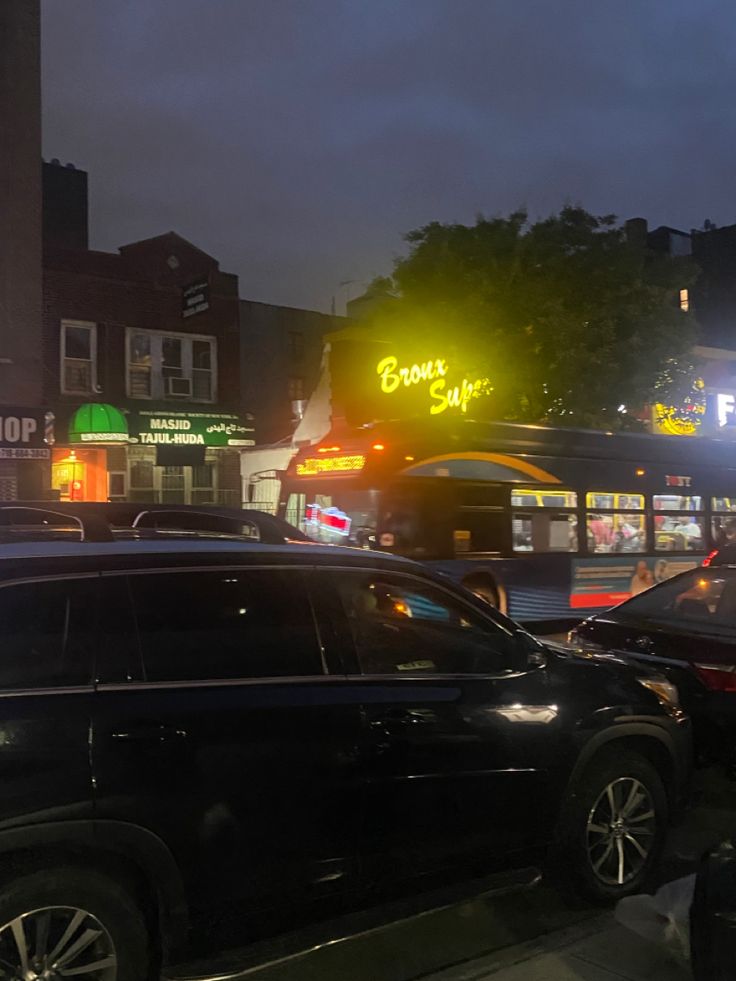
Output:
x,y
546,524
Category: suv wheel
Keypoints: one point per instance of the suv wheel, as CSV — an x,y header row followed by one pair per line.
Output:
x,y
64,922
615,826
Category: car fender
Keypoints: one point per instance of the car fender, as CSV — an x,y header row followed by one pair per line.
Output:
x,y
677,746
123,840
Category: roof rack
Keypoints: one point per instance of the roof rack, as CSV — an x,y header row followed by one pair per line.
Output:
x,y
22,521
34,521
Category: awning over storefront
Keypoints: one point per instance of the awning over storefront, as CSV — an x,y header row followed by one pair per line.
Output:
x,y
98,424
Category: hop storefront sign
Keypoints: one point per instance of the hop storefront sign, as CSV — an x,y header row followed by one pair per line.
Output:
x,y
151,428
25,434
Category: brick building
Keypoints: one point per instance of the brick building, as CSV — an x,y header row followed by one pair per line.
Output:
x,y
141,353
24,451
281,357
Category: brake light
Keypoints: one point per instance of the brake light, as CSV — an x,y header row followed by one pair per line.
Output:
x,y
709,558
717,677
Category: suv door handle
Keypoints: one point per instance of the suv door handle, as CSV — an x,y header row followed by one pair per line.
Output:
x,y
396,718
644,643
149,733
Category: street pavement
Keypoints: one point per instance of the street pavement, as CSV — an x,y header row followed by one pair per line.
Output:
x,y
534,935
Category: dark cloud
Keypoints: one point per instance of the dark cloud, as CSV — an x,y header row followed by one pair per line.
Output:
x,y
297,140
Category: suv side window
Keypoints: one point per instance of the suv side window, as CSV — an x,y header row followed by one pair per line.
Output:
x,y
403,625
48,633
228,623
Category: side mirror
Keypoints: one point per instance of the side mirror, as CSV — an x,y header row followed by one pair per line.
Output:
x,y
530,652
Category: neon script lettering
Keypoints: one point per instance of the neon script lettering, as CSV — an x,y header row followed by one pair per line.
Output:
x,y
458,397
392,376
434,373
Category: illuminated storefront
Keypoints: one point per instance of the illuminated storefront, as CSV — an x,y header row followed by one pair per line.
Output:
x,y
80,467
150,456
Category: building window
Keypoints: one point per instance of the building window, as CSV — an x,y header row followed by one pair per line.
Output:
x,y
296,388
685,300
171,366
296,345
78,358
139,366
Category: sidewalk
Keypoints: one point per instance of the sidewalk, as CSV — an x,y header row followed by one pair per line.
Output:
x,y
598,950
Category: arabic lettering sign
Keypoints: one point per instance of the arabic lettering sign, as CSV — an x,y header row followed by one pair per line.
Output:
x,y
165,428
195,298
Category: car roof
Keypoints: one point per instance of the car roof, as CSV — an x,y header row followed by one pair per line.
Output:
x,y
94,516
18,560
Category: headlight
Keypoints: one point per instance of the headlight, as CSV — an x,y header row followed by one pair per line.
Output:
x,y
665,691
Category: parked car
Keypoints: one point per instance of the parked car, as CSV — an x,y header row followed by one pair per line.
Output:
x,y
195,728
686,628
722,555
106,519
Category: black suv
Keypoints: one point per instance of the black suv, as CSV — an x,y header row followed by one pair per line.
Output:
x,y
190,728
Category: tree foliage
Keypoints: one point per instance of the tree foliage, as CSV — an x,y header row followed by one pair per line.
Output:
x,y
568,317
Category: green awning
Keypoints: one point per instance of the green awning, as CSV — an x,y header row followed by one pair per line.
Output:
x,y
98,422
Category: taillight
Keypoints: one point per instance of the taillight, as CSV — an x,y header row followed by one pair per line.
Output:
x,y
709,558
717,677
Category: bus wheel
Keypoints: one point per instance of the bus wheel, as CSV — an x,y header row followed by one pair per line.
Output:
x,y
485,588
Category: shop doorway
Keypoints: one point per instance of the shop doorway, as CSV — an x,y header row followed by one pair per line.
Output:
x,y
79,475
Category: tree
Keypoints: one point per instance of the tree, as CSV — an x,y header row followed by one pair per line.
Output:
x,y
572,322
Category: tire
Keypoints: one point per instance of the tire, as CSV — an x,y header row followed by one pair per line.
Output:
x,y
58,896
593,840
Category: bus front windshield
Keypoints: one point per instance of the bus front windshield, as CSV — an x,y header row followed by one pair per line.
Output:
x,y
336,517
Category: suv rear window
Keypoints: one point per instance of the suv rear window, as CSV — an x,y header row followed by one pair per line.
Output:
x,y
225,624
47,631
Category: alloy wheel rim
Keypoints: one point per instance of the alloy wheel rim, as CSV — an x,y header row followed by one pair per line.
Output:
x,y
54,943
620,831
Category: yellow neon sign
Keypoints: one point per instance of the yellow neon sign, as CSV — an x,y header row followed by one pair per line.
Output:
x,y
313,466
433,371
671,420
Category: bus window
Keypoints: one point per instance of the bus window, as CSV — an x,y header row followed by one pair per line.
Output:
x,y
721,504
679,532
615,522
616,532
676,527
598,501
479,530
339,518
543,497
544,531
723,527
678,502
723,524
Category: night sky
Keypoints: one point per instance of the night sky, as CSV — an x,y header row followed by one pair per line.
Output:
x,y
297,140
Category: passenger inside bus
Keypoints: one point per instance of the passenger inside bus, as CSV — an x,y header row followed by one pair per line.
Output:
x,y
616,533
678,532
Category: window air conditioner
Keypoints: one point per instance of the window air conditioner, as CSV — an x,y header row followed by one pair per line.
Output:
x,y
179,388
